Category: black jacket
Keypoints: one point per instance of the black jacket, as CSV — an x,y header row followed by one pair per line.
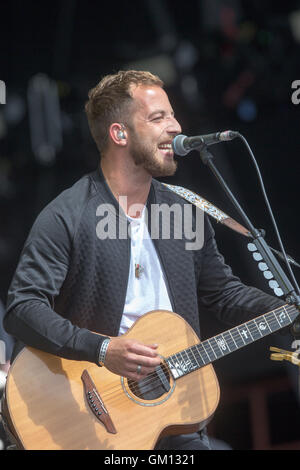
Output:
x,y
69,283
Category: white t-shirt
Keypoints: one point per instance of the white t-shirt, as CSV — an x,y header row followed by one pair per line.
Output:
x,y
148,291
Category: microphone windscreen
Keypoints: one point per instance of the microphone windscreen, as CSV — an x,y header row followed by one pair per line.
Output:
x,y
178,145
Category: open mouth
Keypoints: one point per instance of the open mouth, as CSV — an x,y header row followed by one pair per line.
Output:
x,y
166,148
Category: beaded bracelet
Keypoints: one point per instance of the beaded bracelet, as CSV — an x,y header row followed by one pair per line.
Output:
x,y
102,352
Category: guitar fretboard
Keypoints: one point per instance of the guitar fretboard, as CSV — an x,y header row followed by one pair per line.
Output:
x,y
214,348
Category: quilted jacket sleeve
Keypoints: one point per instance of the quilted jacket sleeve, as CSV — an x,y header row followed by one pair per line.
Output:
x,y
42,268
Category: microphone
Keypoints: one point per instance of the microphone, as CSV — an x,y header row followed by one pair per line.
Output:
x,y
182,144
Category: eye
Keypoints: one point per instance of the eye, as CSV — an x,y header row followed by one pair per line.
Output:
x,y
157,118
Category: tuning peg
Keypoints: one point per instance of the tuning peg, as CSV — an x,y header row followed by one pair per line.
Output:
x,y
251,247
268,275
262,266
274,285
278,292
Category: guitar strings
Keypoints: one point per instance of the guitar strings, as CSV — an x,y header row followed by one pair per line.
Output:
x,y
112,398
270,319
235,333
134,387
254,326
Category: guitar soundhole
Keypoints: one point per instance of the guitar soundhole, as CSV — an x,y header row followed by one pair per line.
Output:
x,y
153,386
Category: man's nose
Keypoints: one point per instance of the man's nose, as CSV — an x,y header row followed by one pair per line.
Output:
x,y
174,127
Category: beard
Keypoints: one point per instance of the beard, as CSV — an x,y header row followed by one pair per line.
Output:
x,y
145,155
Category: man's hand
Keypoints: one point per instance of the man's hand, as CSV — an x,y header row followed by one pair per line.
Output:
x,y
130,358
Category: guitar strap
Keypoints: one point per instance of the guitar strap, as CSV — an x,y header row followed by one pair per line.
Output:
x,y
209,208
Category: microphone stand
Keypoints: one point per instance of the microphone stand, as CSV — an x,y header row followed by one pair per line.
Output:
x,y
291,296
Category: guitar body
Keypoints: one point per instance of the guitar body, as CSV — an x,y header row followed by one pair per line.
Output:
x,y
47,406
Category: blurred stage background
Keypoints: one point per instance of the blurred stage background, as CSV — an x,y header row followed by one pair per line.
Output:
x,y
226,65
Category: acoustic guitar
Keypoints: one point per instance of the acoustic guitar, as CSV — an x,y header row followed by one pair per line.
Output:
x,y
55,403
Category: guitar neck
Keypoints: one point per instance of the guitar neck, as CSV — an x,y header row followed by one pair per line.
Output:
x,y
214,348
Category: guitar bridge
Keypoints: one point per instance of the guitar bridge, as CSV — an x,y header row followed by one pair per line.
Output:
x,y
95,402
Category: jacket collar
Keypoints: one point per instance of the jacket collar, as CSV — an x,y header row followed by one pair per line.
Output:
x,y
103,188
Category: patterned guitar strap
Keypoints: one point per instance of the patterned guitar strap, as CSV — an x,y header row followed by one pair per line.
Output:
x,y
209,208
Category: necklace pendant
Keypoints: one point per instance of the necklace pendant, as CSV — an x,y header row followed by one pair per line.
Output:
x,y
138,271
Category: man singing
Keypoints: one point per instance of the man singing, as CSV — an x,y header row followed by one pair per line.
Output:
x,y
75,292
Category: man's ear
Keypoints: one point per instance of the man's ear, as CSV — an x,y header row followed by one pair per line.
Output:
x,y
118,133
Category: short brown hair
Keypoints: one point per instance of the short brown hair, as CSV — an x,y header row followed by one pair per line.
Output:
x,y
110,99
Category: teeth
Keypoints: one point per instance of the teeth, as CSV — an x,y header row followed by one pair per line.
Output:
x,y
165,146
